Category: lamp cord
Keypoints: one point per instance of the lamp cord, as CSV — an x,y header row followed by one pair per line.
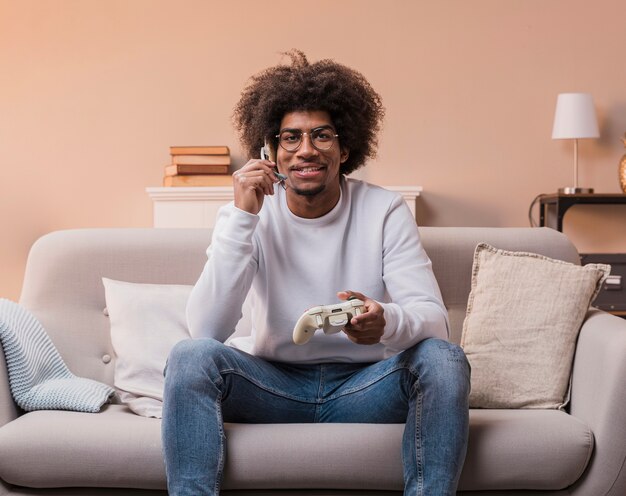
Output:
x,y
530,210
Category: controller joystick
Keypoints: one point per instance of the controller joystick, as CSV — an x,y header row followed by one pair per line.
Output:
x,y
330,318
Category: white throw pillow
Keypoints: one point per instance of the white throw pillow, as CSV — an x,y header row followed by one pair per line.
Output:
x,y
147,320
523,317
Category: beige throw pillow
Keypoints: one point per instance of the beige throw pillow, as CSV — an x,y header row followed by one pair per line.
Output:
x,y
523,317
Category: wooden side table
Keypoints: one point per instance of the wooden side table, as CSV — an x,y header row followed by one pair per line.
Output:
x,y
559,203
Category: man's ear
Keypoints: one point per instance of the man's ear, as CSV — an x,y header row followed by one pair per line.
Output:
x,y
345,153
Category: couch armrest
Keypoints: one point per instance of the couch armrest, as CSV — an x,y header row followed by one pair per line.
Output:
x,y
8,408
599,399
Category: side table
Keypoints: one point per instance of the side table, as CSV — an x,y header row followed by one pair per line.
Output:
x,y
559,203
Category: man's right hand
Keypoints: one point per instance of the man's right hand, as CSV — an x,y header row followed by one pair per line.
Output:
x,y
252,182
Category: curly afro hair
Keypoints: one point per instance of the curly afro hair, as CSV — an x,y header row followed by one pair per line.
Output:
x,y
355,108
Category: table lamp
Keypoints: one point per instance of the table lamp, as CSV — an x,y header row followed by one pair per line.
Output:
x,y
575,118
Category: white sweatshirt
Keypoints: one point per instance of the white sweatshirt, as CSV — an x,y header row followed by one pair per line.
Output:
x,y
369,242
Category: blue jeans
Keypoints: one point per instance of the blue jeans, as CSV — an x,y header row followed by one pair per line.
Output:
x,y
207,383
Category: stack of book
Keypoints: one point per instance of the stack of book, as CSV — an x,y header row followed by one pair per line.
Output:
x,y
198,166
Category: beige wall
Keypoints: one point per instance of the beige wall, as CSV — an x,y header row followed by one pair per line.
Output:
x,y
92,94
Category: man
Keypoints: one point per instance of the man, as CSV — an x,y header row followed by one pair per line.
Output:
x,y
311,239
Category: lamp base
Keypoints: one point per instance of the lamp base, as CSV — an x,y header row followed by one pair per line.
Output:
x,y
575,191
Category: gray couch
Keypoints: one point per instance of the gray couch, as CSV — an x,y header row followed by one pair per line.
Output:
x,y
581,452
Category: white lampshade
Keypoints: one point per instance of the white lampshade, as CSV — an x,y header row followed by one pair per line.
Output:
x,y
575,117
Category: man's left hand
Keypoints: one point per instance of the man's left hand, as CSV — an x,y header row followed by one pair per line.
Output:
x,y
368,327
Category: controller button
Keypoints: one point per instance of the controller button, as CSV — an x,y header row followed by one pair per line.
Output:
x,y
338,320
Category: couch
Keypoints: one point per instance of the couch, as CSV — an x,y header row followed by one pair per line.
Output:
x,y
581,451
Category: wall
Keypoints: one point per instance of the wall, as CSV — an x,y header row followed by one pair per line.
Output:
x,y
92,94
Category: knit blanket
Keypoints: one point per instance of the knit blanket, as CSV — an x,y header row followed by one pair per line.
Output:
x,y
38,376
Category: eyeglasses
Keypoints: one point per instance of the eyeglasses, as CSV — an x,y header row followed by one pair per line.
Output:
x,y
322,138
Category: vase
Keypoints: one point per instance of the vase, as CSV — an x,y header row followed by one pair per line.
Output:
x,y
622,169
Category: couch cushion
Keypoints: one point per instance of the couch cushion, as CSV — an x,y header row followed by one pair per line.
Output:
x,y
114,448
525,449
535,449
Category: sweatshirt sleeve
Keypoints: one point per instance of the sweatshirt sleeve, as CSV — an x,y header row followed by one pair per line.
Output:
x,y
215,302
416,310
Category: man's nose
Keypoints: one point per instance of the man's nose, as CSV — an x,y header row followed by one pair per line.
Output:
x,y
306,147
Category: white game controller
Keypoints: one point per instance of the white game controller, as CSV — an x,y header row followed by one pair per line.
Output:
x,y
330,318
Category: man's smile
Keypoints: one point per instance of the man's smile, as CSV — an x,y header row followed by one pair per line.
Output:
x,y
307,170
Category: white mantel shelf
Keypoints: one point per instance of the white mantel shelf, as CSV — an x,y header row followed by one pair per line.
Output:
x,y
198,206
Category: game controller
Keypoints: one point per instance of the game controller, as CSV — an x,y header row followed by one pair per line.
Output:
x,y
330,318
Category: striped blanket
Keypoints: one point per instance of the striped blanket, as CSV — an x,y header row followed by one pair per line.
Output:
x,y
38,376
